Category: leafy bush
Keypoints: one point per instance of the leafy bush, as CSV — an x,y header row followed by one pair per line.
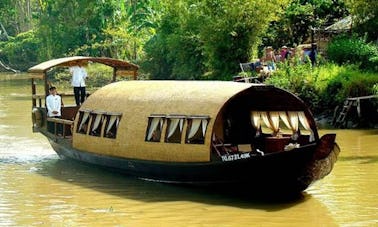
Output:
x,y
300,80
352,50
326,86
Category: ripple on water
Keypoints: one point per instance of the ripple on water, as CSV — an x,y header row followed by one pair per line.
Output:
x,y
16,150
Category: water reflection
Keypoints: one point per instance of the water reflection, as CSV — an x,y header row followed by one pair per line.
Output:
x,y
126,186
56,190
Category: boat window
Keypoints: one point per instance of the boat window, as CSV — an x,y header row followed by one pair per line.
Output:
x,y
154,128
282,122
196,130
174,129
96,125
111,125
83,122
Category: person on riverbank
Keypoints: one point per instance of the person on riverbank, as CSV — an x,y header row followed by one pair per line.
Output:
x,y
79,74
269,58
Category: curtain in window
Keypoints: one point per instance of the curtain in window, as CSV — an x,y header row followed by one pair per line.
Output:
x,y
112,120
256,119
284,117
174,122
83,120
271,120
305,124
290,119
195,126
153,126
181,124
293,118
96,122
204,126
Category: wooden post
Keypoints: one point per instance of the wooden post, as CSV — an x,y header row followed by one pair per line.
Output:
x,y
46,84
34,102
114,74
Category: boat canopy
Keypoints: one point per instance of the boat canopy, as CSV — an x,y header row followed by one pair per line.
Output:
x,y
120,68
75,60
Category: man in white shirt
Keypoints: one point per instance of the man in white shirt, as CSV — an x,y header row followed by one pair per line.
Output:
x,y
78,82
53,105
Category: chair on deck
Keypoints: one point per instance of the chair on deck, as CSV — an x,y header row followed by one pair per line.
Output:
x,y
249,67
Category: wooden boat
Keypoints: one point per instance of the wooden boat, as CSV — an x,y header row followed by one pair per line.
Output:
x,y
191,132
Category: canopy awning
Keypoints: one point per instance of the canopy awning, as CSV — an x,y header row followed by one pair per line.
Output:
x,y
70,61
344,24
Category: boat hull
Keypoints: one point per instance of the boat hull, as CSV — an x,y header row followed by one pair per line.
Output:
x,y
291,170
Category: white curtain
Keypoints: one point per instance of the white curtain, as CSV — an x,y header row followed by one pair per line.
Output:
x,y
290,119
271,120
275,121
181,124
96,122
195,126
112,119
305,124
173,126
265,117
83,120
284,117
153,126
293,118
204,126
256,119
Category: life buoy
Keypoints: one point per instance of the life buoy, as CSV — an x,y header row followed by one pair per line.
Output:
x,y
37,118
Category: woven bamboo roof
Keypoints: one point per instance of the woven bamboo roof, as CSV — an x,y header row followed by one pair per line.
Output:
x,y
162,97
75,60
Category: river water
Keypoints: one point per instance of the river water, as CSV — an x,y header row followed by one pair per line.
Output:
x,y
39,189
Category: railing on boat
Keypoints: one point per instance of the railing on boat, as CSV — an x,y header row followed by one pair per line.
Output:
x,y
64,122
40,97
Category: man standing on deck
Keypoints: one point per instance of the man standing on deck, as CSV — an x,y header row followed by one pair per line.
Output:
x,y
78,82
54,105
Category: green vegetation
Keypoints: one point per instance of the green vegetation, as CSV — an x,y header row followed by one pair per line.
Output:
x,y
353,50
326,86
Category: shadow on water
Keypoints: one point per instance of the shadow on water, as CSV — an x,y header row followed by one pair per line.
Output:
x,y
105,181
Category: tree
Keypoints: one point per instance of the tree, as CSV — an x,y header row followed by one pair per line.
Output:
x,y
197,38
68,27
16,17
300,17
365,17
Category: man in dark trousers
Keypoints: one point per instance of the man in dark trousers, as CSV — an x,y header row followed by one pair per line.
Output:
x,y
78,82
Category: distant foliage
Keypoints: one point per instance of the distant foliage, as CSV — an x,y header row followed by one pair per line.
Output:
x,y
353,50
20,52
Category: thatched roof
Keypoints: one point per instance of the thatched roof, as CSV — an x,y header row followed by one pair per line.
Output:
x,y
69,61
175,97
